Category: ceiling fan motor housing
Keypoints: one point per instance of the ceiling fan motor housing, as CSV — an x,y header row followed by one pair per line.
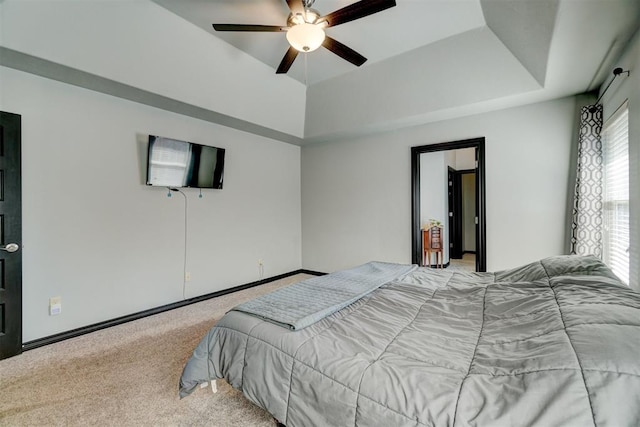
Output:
x,y
310,16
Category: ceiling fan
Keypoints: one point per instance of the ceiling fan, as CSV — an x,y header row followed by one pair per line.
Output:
x,y
305,29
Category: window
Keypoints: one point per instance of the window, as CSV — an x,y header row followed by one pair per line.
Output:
x,y
615,148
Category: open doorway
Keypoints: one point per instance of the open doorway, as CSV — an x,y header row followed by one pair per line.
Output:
x,y
448,190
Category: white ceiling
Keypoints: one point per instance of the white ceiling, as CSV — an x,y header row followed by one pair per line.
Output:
x,y
526,27
429,60
432,60
407,26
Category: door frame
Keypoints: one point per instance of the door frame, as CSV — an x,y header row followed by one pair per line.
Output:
x,y
481,229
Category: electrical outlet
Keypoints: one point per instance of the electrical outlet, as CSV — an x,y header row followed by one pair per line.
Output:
x,y
260,268
187,276
55,306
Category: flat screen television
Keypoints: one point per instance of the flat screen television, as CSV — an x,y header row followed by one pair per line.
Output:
x,y
174,163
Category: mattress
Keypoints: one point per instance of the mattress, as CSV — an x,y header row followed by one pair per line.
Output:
x,y
552,343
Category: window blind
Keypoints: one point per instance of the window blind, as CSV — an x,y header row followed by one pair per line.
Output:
x,y
615,147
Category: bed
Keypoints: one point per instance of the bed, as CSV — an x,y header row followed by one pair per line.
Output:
x,y
551,343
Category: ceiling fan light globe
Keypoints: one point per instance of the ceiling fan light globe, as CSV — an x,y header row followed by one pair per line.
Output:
x,y
305,37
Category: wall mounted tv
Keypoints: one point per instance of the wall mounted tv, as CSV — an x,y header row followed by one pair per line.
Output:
x,y
174,163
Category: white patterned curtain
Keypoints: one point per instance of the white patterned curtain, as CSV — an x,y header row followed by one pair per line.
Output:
x,y
586,227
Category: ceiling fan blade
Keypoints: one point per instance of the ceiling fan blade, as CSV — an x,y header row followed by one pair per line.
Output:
x,y
236,27
356,11
343,51
296,6
286,62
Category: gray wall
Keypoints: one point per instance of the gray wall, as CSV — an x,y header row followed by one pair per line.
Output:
x,y
95,235
356,194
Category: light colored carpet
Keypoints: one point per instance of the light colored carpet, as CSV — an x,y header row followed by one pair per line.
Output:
x,y
467,263
127,375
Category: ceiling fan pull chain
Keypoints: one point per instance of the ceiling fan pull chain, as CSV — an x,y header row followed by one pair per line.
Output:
x,y
305,68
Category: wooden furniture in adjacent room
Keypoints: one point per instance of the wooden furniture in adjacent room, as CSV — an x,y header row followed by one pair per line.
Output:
x,y
432,243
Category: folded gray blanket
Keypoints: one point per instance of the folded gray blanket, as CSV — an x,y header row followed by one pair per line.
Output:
x,y
300,305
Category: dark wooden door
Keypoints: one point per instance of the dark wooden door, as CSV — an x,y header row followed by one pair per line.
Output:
x,y
455,214
10,236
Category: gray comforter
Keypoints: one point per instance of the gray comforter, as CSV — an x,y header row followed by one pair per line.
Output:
x,y
552,343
